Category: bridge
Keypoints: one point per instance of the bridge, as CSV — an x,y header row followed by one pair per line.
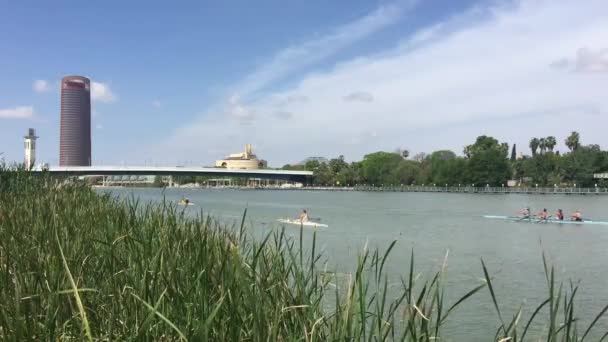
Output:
x,y
285,175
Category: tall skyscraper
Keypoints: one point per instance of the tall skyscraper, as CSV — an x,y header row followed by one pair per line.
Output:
x,y
75,133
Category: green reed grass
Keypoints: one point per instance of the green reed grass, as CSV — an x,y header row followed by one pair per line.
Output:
x,y
76,265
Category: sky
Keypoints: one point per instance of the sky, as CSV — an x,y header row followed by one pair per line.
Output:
x,y
186,83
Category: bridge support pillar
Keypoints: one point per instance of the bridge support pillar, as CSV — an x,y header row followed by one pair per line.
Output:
x,y
170,181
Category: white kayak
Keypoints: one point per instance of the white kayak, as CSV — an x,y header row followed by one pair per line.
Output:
x,y
185,204
539,220
300,223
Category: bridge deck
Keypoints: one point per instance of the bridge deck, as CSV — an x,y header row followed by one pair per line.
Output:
x,y
301,176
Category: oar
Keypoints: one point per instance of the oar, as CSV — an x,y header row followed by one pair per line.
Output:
x,y
544,220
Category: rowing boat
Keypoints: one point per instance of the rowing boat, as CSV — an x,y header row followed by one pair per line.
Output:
x,y
302,223
539,220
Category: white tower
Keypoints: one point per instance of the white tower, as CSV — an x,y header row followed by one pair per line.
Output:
x,y
30,148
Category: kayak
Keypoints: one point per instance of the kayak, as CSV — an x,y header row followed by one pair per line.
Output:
x,y
300,223
184,203
538,220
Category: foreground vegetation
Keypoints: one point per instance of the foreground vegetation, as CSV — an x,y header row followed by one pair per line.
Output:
x,y
486,161
75,265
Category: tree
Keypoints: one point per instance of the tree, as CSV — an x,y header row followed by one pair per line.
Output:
x,y
405,172
580,165
542,169
442,155
513,153
550,142
534,145
377,167
488,162
542,145
402,152
419,157
573,141
485,143
337,164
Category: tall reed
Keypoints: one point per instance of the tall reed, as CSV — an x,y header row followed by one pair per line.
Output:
x,y
77,265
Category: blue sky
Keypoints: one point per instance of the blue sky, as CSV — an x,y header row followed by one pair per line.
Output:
x,y
190,83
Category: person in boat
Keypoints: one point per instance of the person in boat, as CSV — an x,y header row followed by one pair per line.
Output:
x,y
304,216
184,201
559,215
525,213
577,216
543,215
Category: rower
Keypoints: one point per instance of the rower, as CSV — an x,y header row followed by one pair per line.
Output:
x,y
304,216
577,216
525,213
559,215
543,215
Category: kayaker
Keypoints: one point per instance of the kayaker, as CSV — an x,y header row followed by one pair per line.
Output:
x,y
559,215
543,215
577,216
304,216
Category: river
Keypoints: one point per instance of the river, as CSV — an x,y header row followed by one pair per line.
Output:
x,y
432,224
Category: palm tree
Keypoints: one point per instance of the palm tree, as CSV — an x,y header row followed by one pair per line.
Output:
x,y
542,144
550,142
573,141
534,145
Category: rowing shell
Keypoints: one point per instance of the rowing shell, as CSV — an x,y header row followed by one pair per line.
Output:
x,y
301,223
538,220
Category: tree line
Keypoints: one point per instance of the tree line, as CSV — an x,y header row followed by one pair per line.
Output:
x,y
485,162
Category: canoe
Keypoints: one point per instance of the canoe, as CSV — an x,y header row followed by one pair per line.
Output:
x,y
300,223
538,220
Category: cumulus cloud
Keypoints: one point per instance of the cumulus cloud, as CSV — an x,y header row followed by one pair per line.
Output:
x,y
360,96
460,77
19,112
101,92
41,86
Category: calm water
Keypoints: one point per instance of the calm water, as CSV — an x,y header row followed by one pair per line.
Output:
x,y
432,224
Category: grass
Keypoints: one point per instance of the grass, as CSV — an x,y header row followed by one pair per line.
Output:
x,y
76,265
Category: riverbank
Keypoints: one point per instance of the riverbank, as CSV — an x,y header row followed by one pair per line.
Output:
x,y
411,188
78,265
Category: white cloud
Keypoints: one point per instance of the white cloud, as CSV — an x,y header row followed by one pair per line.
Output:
x,y
283,115
475,76
360,96
310,52
41,86
588,60
156,103
20,112
239,112
101,92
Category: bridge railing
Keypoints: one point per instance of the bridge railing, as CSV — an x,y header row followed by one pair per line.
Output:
x,y
486,189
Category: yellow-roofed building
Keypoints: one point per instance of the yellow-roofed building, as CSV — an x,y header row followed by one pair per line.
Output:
x,y
243,160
